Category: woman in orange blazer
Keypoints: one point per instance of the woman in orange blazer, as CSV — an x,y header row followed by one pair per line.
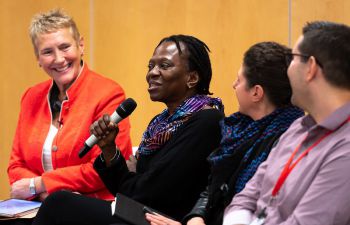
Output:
x,y
44,156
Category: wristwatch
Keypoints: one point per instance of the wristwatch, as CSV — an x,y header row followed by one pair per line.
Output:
x,y
32,187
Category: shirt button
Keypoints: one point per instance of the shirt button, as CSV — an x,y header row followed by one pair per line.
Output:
x,y
54,148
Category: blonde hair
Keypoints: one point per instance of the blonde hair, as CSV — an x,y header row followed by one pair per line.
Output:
x,y
51,21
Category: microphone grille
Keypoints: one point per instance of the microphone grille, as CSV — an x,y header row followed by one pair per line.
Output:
x,y
126,107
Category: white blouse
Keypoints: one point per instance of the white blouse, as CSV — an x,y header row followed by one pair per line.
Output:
x,y
47,148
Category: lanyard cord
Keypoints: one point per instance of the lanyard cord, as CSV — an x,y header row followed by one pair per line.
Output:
x,y
289,166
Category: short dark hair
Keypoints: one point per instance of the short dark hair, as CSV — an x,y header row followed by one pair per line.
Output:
x,y
198,59
266,64
329,43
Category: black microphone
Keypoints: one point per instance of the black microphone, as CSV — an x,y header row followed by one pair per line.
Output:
x,y
123,111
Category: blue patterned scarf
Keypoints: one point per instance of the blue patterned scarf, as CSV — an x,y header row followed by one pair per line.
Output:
x,y
164,125
238,128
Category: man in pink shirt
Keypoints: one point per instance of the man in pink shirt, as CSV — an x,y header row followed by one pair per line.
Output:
x,y
306,178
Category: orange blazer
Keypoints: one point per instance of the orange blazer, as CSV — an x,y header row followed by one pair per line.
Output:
x,y
89,97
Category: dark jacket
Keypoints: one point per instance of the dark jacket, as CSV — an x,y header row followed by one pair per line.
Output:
x,y
171,180
220,191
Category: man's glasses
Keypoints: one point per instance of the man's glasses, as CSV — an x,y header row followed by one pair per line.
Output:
x,y
291,55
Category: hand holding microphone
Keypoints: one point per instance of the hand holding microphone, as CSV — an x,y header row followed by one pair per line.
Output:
x,y
105,130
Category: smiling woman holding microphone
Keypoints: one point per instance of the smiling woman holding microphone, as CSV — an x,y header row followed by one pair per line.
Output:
x,y
171,167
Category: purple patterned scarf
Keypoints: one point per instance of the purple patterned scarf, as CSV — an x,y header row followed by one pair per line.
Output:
x,y
164,125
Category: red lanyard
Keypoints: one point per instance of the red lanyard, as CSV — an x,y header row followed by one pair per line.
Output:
x,y
289,166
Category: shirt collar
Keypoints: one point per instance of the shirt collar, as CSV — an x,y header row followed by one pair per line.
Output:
x,y
333,121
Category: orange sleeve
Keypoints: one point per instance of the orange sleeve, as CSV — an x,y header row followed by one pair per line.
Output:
x,y
83,178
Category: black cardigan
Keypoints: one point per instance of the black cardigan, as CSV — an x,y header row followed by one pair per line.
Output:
x,y
220,190
171,180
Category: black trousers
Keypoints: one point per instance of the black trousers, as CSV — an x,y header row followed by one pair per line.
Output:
x,y
66,208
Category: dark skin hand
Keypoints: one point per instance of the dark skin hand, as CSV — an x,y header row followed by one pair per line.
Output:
x,y
131,163
106,132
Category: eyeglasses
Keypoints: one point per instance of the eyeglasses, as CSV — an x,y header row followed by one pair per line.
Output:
x,y
291,55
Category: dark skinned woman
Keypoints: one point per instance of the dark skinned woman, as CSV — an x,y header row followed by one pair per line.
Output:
x,y
171,167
